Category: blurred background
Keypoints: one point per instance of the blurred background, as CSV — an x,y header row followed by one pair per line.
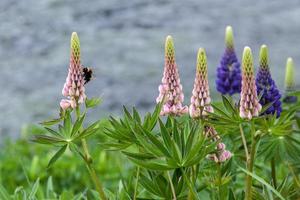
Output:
x,y
124,41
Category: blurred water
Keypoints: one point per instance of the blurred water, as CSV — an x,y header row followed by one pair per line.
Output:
x,y
123,41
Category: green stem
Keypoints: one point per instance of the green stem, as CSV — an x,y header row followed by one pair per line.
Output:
x,y
273,172
250,165
136,183
172,186
96,181
88,161
244,142
219,180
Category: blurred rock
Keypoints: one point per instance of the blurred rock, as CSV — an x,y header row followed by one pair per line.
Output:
x,y
123,41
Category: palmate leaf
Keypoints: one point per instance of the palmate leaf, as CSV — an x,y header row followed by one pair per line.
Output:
x,y
158,144
163,149
92,129
158,184
284,147
129,129
150,185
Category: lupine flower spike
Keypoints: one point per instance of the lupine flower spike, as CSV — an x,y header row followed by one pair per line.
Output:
x,y
74,86
290,81
200,100
170,90
249,105
229,72
266,85
222,154
201,105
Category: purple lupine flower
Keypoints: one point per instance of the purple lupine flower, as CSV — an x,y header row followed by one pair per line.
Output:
x,y
74,86
170,90
289,81
200,100
229,72
222,154
201,105
249,105
266,86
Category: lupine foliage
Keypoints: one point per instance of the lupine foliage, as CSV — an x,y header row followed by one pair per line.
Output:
x,y
233,149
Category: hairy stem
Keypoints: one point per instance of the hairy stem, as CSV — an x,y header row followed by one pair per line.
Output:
x,y
250,164
244,142
172,186
88,161
219,180
273,172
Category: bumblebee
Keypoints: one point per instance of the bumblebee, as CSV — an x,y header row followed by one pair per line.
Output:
x,y
87,74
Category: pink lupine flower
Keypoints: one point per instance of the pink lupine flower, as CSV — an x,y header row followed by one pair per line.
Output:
x,y
201,105
249,104
170,90
222,154
200,100
74,86
65,104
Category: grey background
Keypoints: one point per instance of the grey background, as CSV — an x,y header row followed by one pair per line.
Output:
x,y
124,41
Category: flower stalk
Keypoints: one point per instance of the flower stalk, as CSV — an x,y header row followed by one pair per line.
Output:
x,y
88,162
250,164
200,106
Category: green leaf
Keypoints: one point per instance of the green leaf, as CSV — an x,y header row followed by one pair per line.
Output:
x,y
148,146
154,117
53,132
77,125
136,115
49,189
165,134
228,104
50,122
139,156
93,102
34,189
87,132
45,139
150,186
57,155
151,164
67,123
262,181
266,107
4,194
155,142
